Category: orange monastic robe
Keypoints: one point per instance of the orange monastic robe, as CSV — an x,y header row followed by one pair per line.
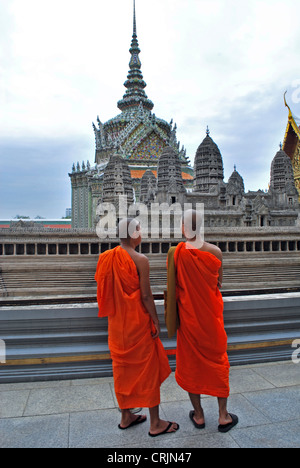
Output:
x,y
202,361
140,363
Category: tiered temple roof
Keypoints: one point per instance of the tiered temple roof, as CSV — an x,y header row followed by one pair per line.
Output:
x,y
291,144
137,133
208,169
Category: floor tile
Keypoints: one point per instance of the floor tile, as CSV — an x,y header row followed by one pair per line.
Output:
x,y
282,435
35,432
282,375
243,380
13,403
279,404
170,390
63,400
101,430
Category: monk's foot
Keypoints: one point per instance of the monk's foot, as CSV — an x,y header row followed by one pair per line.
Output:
x,y
232,421
130,420
163,427
226,419
198,416
197,419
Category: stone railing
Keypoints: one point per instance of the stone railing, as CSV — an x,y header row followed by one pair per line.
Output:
x,y
22,243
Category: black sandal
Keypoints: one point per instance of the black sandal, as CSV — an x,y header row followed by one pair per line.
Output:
x,y
227,427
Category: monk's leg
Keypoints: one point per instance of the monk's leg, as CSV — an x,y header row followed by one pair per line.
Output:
x,y
158,425
224,417
196,402
128,418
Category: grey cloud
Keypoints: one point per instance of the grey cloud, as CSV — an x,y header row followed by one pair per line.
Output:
x,y
34,175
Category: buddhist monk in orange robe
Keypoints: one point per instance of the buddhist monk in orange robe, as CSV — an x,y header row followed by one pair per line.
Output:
x,y
140,363
202,361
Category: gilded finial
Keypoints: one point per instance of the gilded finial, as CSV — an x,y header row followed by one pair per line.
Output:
x,y
134,19
285,99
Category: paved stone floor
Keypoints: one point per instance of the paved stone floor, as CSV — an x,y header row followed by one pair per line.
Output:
x,y
83,413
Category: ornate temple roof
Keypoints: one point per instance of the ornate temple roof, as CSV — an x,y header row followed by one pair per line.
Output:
x,y
117,180
291,144
169,175
137,173
282,174
135,94
292,134
137,133
235,183
148,187
208,167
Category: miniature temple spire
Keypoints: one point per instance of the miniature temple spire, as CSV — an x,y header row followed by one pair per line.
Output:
x,y
135,83
134,19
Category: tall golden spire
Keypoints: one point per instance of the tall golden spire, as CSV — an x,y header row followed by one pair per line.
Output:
x,y
291,144
294,121
135,94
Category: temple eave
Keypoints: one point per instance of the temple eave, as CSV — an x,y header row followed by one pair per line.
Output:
x,y
134,102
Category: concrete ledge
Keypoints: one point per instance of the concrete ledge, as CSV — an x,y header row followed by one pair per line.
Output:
x,y
69,341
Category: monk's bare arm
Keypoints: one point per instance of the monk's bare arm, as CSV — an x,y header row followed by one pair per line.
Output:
x,y
220,277
143,268
220,257
217,253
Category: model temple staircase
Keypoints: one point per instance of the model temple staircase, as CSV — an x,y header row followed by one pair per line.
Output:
x,y
46,276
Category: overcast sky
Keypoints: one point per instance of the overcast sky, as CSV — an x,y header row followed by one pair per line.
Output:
x,y
221,63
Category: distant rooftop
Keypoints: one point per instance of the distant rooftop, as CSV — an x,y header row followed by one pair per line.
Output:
x,y
47,223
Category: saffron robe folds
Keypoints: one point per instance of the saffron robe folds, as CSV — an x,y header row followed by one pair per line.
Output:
x,y
140,363
202,361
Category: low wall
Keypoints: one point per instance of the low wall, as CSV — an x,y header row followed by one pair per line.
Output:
x,y
69,341
25,243
59,263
